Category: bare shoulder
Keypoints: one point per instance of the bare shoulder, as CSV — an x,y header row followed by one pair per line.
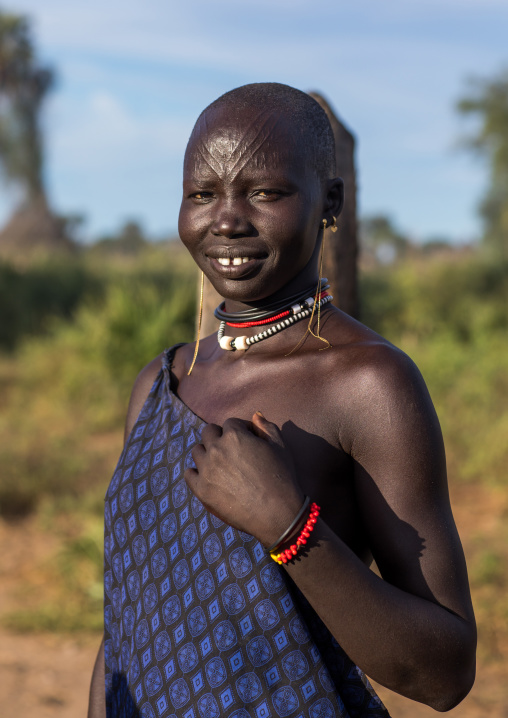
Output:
x,y
140,390
372,380
367,358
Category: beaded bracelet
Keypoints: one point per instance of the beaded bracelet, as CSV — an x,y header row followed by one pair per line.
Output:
x,y
290,528
290,553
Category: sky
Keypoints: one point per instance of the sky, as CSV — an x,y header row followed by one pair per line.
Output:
x,y
133,75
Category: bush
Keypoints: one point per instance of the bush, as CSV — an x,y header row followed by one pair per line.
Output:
x,y
461,298
29,299
70,387
451,317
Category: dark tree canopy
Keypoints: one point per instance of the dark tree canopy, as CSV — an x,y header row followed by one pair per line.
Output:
x,y
24,84
487,101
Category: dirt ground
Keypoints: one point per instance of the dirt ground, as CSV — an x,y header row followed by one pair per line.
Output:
x,y
48,675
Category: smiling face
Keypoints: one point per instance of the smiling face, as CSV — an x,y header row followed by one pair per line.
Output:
x,y
252,204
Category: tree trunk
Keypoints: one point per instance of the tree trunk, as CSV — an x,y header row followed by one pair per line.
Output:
x,y
341,248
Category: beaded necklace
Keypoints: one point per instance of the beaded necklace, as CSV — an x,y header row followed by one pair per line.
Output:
x,y
270,311
295,313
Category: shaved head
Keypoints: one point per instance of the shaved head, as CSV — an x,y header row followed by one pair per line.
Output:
x,y
309,124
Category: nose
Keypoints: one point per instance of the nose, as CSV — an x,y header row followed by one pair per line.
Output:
x,y
230,221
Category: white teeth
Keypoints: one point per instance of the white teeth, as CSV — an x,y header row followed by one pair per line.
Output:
x,y
226,261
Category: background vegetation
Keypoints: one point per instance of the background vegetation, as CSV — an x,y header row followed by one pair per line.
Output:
x,y
83,328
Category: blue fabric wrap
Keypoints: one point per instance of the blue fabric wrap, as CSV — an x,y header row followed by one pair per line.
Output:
x,y
199,621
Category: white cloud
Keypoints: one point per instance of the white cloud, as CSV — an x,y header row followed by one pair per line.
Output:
x,y
102,133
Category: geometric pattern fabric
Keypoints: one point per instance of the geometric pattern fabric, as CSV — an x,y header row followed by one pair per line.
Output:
x,y
199,621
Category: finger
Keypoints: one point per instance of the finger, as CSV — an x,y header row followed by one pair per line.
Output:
x,y
210,433
234,424
266,429
198,453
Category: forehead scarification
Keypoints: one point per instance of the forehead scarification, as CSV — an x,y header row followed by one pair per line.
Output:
x,y
226,146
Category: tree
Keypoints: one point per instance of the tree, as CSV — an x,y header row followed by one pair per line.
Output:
x,y
129,241
24,84
487,100
340,264
381,240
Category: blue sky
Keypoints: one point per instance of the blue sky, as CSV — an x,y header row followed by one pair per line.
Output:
x,y
134,75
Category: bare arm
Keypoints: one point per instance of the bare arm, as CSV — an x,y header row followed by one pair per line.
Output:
x,y
141,388
414,631
97,703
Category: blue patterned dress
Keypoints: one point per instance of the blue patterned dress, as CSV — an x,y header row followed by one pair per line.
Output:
x,y
199,621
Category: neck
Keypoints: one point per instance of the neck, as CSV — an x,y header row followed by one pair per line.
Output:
x,y
272,309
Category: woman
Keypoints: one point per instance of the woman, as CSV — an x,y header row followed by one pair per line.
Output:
x,y
281,614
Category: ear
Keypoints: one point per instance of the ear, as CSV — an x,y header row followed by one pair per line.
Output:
x,y
334,197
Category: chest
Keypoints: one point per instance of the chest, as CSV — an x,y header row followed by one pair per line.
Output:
x,y
302,407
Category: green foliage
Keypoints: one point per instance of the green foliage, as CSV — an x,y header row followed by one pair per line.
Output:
x,y
138,317
462,299
129,241
30,298
68,388
489,568
381,240
451,317
487,101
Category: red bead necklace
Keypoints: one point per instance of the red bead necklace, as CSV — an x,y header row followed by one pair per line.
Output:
x,y
270,320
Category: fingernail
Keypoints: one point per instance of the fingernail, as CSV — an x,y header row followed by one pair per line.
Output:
x,y
260,414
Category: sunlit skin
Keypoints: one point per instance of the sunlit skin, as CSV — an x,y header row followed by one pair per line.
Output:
x,y
352,426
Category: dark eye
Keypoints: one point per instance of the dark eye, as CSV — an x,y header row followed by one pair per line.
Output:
x,y
267,194
201,196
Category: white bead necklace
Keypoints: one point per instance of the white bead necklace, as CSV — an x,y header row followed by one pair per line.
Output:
x,y
300,311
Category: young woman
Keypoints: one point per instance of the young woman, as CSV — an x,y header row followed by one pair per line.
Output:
x,y
228,592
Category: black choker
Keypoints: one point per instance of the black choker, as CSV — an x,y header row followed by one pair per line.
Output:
x,y
256,314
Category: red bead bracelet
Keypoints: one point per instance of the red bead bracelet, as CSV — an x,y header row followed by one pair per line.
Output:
x,y
290,553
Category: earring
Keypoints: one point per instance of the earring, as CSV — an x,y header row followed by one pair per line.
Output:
x,y
316,303
333,226
200,316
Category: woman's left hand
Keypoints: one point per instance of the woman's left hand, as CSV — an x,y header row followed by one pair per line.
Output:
x,y
245,475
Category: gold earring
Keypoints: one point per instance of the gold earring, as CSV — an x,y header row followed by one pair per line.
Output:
x,y
199,323
334,227
325,224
